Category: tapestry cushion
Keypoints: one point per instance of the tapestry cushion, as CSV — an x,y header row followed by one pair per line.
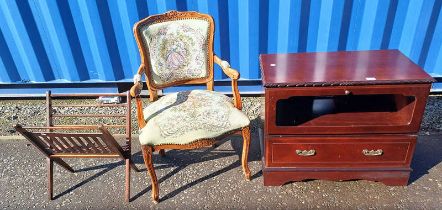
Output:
x,y
184,117
177,50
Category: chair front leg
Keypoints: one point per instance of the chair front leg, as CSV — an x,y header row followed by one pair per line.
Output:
x,y
245,151
147,156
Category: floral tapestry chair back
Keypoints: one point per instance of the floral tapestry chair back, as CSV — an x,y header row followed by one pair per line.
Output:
x,y
176,48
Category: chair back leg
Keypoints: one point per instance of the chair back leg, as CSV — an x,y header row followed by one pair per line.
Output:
x,y
162,152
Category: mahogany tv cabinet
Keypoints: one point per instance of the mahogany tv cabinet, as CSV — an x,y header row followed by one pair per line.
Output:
x,y
341,116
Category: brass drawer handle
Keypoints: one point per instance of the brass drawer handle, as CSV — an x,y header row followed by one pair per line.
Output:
x,y
377,152
305,152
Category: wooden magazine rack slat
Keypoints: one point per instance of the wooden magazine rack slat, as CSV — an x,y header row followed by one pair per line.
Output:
x,y
55,144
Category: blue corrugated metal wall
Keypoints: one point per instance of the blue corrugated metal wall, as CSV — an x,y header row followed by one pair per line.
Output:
x,y
87,41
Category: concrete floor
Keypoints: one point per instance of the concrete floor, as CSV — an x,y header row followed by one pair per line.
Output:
x,y
202,179
205,179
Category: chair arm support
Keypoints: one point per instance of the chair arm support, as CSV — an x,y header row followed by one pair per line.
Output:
x,y
234,75
225,66
135,92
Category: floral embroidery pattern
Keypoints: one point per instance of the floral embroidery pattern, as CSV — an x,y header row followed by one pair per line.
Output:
x,y
177,50
177,114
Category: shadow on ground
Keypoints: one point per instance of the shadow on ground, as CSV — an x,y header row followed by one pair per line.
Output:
x,y
428,154
179,160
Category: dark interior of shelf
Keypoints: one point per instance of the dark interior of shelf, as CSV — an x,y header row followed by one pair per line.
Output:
x,y
346,109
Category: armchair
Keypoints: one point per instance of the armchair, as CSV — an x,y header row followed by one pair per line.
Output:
x,y
177,48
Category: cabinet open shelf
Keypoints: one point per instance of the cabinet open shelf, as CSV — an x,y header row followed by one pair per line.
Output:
x,y
345,110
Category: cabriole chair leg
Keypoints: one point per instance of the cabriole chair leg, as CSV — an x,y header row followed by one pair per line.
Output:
x,y
147,156
245,151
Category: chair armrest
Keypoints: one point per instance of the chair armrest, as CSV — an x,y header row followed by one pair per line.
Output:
x,y
135,92
225,66
234,75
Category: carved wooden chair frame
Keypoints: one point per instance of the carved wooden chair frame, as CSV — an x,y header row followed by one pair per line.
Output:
x,y
153,88
84,143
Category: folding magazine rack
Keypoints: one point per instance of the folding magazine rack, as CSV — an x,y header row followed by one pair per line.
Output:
x,y
77,141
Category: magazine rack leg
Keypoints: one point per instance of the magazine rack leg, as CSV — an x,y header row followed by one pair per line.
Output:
x,y
63,164
50,167
127,186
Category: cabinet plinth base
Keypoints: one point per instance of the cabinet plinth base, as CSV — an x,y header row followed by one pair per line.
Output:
x,y
391,177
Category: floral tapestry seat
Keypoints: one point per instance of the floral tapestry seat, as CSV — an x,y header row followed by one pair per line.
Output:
x,y
184,117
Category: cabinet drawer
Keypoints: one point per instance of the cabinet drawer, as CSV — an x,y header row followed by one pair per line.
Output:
x,y
345,109
348,151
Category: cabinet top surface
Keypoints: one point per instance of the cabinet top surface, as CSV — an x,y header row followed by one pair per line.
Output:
x,y
340,68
